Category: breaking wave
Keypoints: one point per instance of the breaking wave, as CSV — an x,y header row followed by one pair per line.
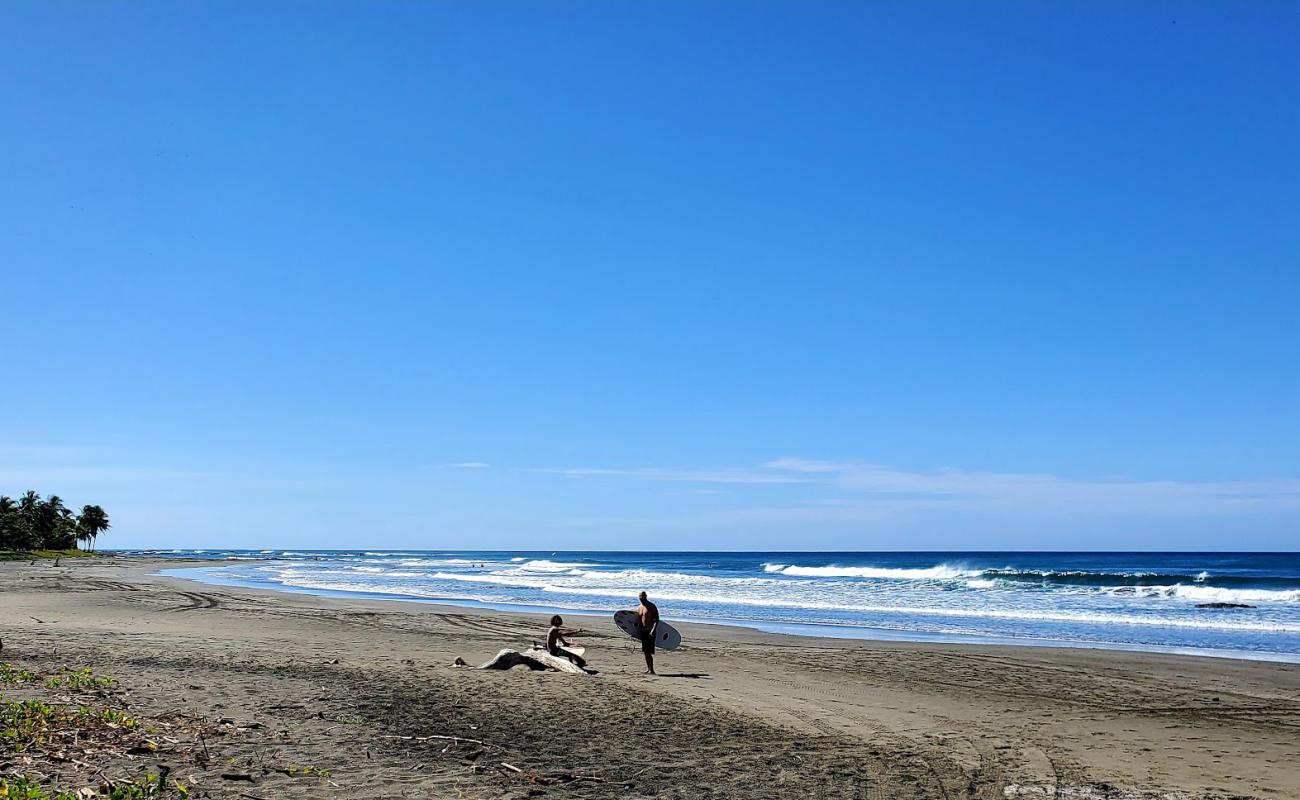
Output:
x,y
1215,594
942,572
1165,600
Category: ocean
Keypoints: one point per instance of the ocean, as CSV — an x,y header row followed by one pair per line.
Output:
x,y
1144,601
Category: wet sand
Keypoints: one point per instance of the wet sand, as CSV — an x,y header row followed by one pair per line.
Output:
x,y
360,688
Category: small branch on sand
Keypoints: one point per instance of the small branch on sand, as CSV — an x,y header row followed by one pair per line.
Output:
x,y
453,739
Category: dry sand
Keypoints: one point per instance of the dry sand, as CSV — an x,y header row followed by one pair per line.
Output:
x,y
335,685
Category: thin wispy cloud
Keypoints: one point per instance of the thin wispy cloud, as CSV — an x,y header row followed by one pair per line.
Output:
x,y
867,490
469,465
740,475
38,476
54,468
36,452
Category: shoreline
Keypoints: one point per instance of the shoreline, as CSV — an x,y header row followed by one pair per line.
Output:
x,y
810,630
351,685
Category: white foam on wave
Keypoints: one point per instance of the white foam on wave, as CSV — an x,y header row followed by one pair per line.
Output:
x,y
1083,617
431,562
941,572
777,597
1049,574
644,578
1213,594
543,565
617,582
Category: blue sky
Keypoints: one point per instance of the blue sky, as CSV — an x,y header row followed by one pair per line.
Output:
x,y
655,275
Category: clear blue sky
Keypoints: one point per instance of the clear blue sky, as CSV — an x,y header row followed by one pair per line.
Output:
x,y
631,275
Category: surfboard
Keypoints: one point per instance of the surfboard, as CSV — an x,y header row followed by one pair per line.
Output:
x,y
666,636
577,649
629,623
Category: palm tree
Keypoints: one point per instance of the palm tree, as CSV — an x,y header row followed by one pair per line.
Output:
x,y
92,522
8,523
27,527
28,502
51,517
65,531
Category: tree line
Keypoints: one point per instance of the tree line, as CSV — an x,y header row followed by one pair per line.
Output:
x,y
32,523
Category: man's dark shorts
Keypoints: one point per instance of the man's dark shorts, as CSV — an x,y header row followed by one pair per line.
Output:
x,y
648,644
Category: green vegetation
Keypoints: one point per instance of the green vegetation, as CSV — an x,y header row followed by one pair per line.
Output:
x,y
78,679
21,788
20,555
150,785
37,732
11,674
25,724
31,524
75,679
308,771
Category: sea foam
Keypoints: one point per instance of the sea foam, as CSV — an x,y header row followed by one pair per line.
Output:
x,y
942,572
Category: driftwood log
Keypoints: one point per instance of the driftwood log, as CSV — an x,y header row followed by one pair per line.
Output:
x,y
533,659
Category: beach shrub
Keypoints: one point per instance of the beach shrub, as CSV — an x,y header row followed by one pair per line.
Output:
x,y
21,788
25,555
26,724
78,679
10,674
309,771
150,785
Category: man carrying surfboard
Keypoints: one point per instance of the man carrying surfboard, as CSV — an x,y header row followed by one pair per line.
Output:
x,y
648,613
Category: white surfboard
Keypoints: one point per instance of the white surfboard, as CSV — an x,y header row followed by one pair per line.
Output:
x,y
577,649
666,636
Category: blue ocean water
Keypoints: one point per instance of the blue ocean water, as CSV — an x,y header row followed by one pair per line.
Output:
x,y
1120,600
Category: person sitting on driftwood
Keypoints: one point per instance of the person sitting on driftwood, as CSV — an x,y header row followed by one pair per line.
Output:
x,y
558,646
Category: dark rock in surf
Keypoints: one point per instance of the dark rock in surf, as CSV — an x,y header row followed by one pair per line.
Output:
x,y
1223,605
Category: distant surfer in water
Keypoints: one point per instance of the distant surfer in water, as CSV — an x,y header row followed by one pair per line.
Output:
x,y
648,613
556,644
